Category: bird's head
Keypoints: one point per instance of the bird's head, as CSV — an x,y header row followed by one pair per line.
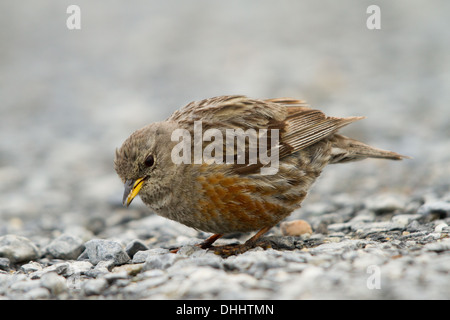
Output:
x,y
143,162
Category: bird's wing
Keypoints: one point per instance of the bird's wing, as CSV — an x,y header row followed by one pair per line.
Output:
x,y
298,125
304,127
229,111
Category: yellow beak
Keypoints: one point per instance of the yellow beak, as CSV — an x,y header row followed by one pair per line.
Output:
x,y
132,188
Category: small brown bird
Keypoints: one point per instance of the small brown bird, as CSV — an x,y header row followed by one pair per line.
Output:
x,y
167,163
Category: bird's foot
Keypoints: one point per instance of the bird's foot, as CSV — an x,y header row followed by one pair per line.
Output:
x,y
235,249
207,243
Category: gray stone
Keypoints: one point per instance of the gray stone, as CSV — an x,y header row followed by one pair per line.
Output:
x,y
95,286
4,264
31,267
78,268
415,226
60,268
440,246
284,242
337,247
129,269
364,229
117,275
37,294
23,285
141,256
405,219
147,282
104,250
101,268
255,262
385,203
37,270
160,261
188,250
442,228
135,246
17,248
363,216
199,258
436,207
337,227
65,247
55,283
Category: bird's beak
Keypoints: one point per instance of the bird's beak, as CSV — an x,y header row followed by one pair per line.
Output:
x,y
132,188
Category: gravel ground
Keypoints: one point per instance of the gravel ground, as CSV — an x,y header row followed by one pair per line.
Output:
x,y
70,97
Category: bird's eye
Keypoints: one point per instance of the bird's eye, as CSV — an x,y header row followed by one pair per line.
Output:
x,y
149,161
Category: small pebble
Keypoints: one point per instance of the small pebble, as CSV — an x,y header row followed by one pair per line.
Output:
x,y
440,227
4,264
135,246
104,250
295,228
65,247
31,267
18,248
162,261
55,283
439,207
94,286
385,203
39,293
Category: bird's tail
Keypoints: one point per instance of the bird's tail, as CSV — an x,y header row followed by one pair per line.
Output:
x,y
346,149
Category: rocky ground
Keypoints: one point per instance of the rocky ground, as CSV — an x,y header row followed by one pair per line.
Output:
x,y
380,229
386,250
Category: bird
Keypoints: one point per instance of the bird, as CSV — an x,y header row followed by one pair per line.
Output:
x,y
229,191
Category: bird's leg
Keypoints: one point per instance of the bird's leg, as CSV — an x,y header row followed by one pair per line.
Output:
x,y
253,242
208,242
205,244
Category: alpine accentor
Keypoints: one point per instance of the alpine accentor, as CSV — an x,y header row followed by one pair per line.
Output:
x,y
229,192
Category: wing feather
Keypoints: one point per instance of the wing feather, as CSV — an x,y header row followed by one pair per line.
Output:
x,y
299,126
306,127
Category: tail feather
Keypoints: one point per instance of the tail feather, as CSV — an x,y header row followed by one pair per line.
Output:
x,y
346,149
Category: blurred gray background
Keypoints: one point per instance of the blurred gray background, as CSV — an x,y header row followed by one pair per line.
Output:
x,y
68,98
